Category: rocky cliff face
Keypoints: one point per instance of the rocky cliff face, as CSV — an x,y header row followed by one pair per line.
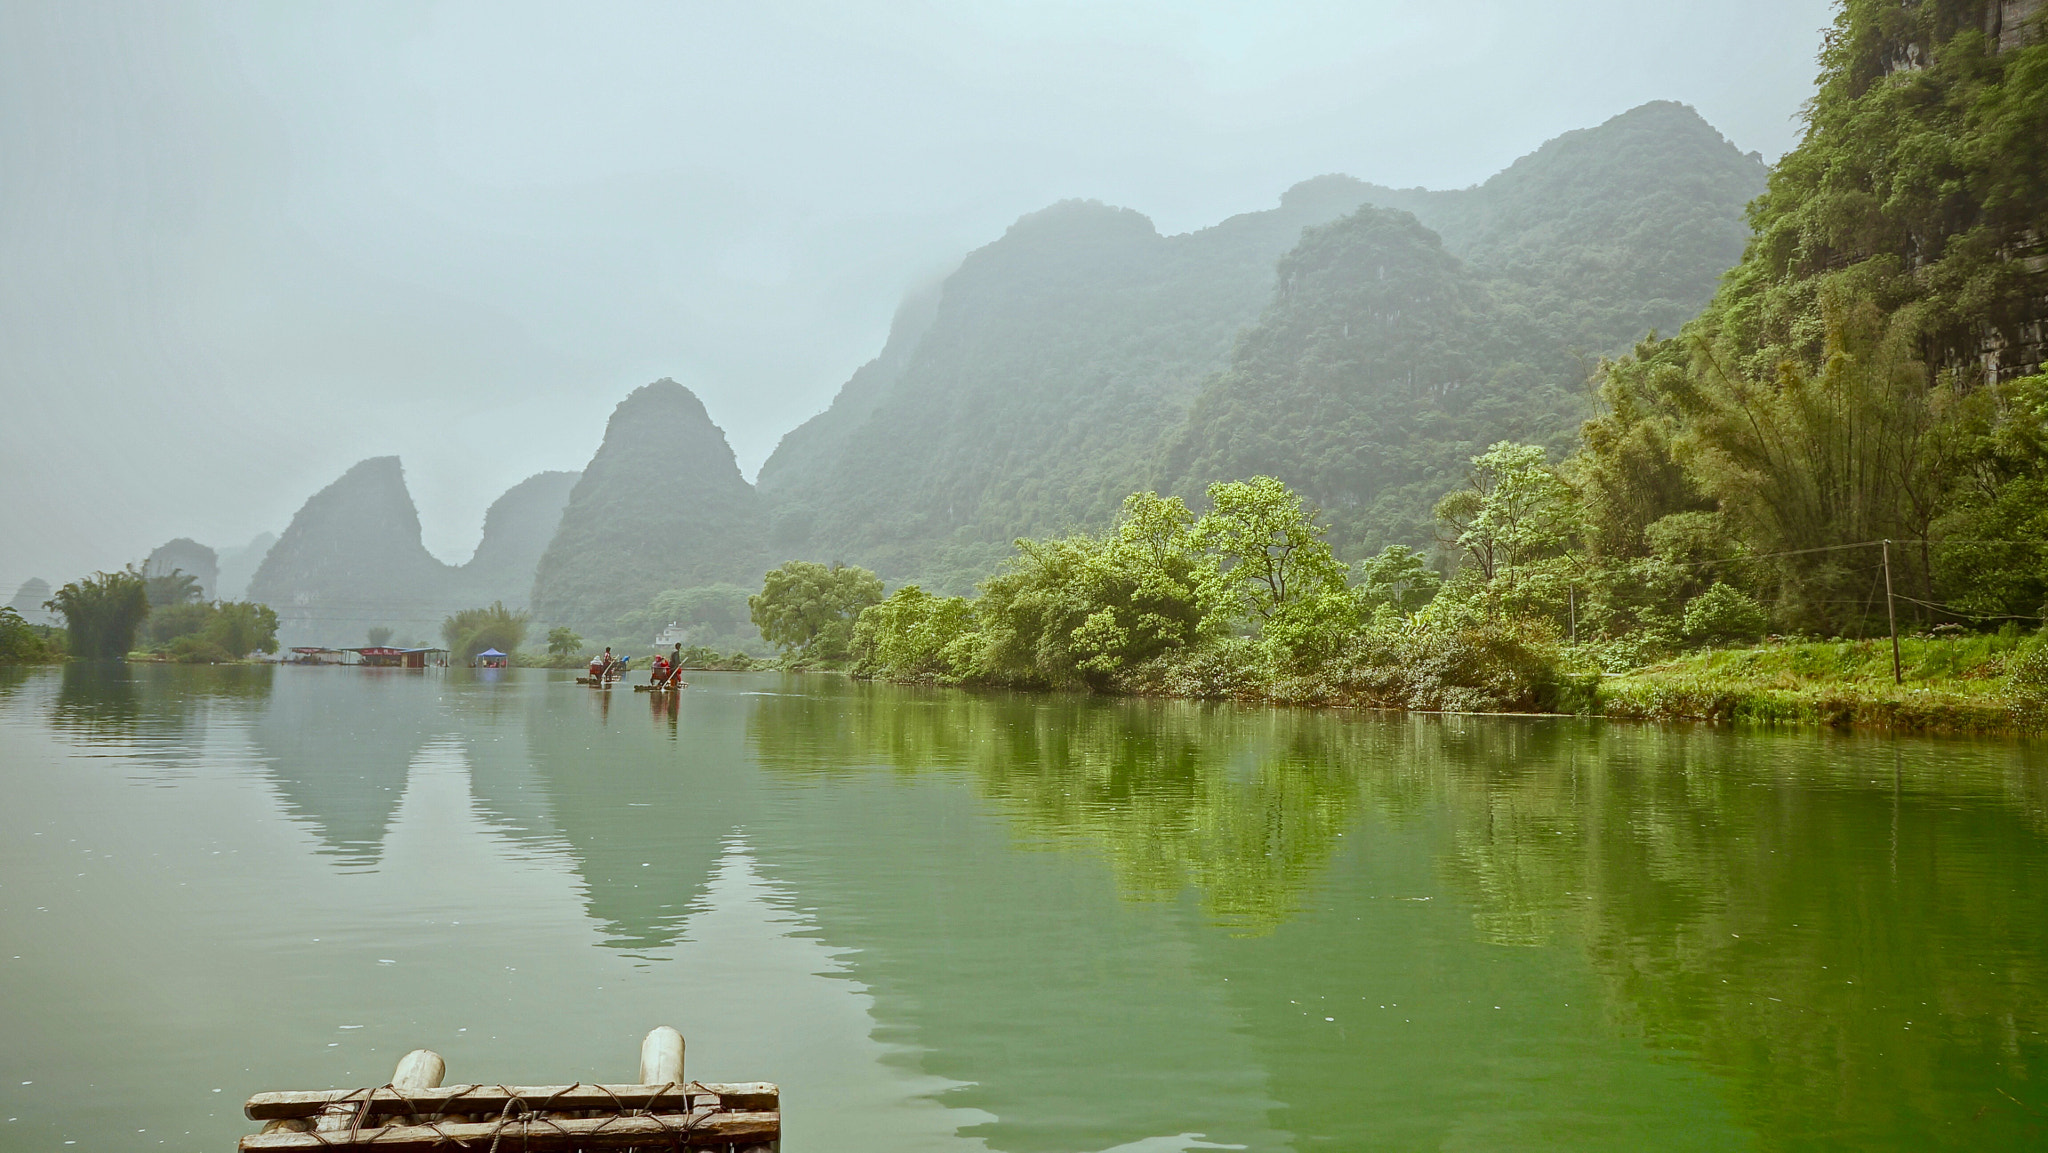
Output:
x,y
662,505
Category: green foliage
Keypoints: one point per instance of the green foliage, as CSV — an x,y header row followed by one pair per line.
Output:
x,y
1722,616
471,631
915,636
1400,578
563,641
1157,606
1514,510
1854,379
102,613
1269,547
176,587
242,627
22,643
809,609
174,619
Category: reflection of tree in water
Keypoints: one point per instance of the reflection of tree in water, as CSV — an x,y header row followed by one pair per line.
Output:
x,y
1244,805
1865,952
340,742
158,714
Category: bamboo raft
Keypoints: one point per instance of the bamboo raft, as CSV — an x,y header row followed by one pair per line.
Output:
x,y
414,1112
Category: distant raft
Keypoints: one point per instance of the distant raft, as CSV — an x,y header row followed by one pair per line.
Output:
x,y
413,1112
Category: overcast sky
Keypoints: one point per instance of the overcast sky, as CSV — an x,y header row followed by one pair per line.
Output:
x,y
243,246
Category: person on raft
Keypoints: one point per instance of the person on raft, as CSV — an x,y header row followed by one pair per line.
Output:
x,y
659,673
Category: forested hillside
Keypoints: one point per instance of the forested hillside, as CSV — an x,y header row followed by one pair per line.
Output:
x,y
1050,368
1863,374
661,506
1055,371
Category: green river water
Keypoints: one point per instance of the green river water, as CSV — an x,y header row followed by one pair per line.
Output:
x,y
947,921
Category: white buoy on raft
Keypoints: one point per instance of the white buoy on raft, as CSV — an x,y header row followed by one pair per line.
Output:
x,y
661,1057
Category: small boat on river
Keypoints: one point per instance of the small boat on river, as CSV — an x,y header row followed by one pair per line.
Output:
x,y
415,1112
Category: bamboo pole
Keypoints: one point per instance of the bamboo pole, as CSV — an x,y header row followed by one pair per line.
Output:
x,y
1891,614
537,1134
744,1097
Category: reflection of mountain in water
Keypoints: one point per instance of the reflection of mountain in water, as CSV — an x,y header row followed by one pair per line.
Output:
x,y
339,743
644,815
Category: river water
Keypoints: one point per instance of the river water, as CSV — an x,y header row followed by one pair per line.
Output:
x,y
951,921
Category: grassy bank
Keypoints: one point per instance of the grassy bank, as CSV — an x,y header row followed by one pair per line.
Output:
x,y
1981,684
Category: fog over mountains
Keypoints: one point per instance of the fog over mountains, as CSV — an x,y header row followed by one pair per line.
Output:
x,y
251,245
1356,340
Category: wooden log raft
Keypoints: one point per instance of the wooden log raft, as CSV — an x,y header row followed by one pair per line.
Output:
x,y
416,1112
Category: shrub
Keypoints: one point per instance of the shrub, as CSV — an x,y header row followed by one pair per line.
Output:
x,y
1723,615
22,643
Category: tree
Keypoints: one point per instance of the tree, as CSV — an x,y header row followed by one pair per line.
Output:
x,y
563,642
22,643
471,631
243,627
176,587
102,613
914,635
1513,510
1269,546
805,607
1399,578
378,637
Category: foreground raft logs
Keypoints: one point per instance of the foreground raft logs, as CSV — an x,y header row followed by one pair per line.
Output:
x,y
415,1112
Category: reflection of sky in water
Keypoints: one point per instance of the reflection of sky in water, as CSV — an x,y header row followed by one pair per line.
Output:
x,y
944,921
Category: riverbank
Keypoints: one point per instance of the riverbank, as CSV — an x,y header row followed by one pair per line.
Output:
x,y
1977,685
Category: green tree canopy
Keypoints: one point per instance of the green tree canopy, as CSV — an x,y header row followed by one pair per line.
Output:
x,y
563,641
471,631
809,608
1269,546
102,613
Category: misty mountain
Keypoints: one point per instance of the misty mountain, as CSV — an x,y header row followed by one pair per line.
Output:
x,y
238,565
662,505
517,529
28,601
352,559
189,557
1385,362
1058,368
1033,392
1606,233
1382,366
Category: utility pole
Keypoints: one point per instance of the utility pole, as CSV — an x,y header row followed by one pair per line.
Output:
x,y
1891,614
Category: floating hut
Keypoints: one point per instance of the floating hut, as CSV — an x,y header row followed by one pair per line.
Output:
x,y
415,1112
385,657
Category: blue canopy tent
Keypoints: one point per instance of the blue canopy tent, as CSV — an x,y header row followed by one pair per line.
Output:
x,y
490,659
